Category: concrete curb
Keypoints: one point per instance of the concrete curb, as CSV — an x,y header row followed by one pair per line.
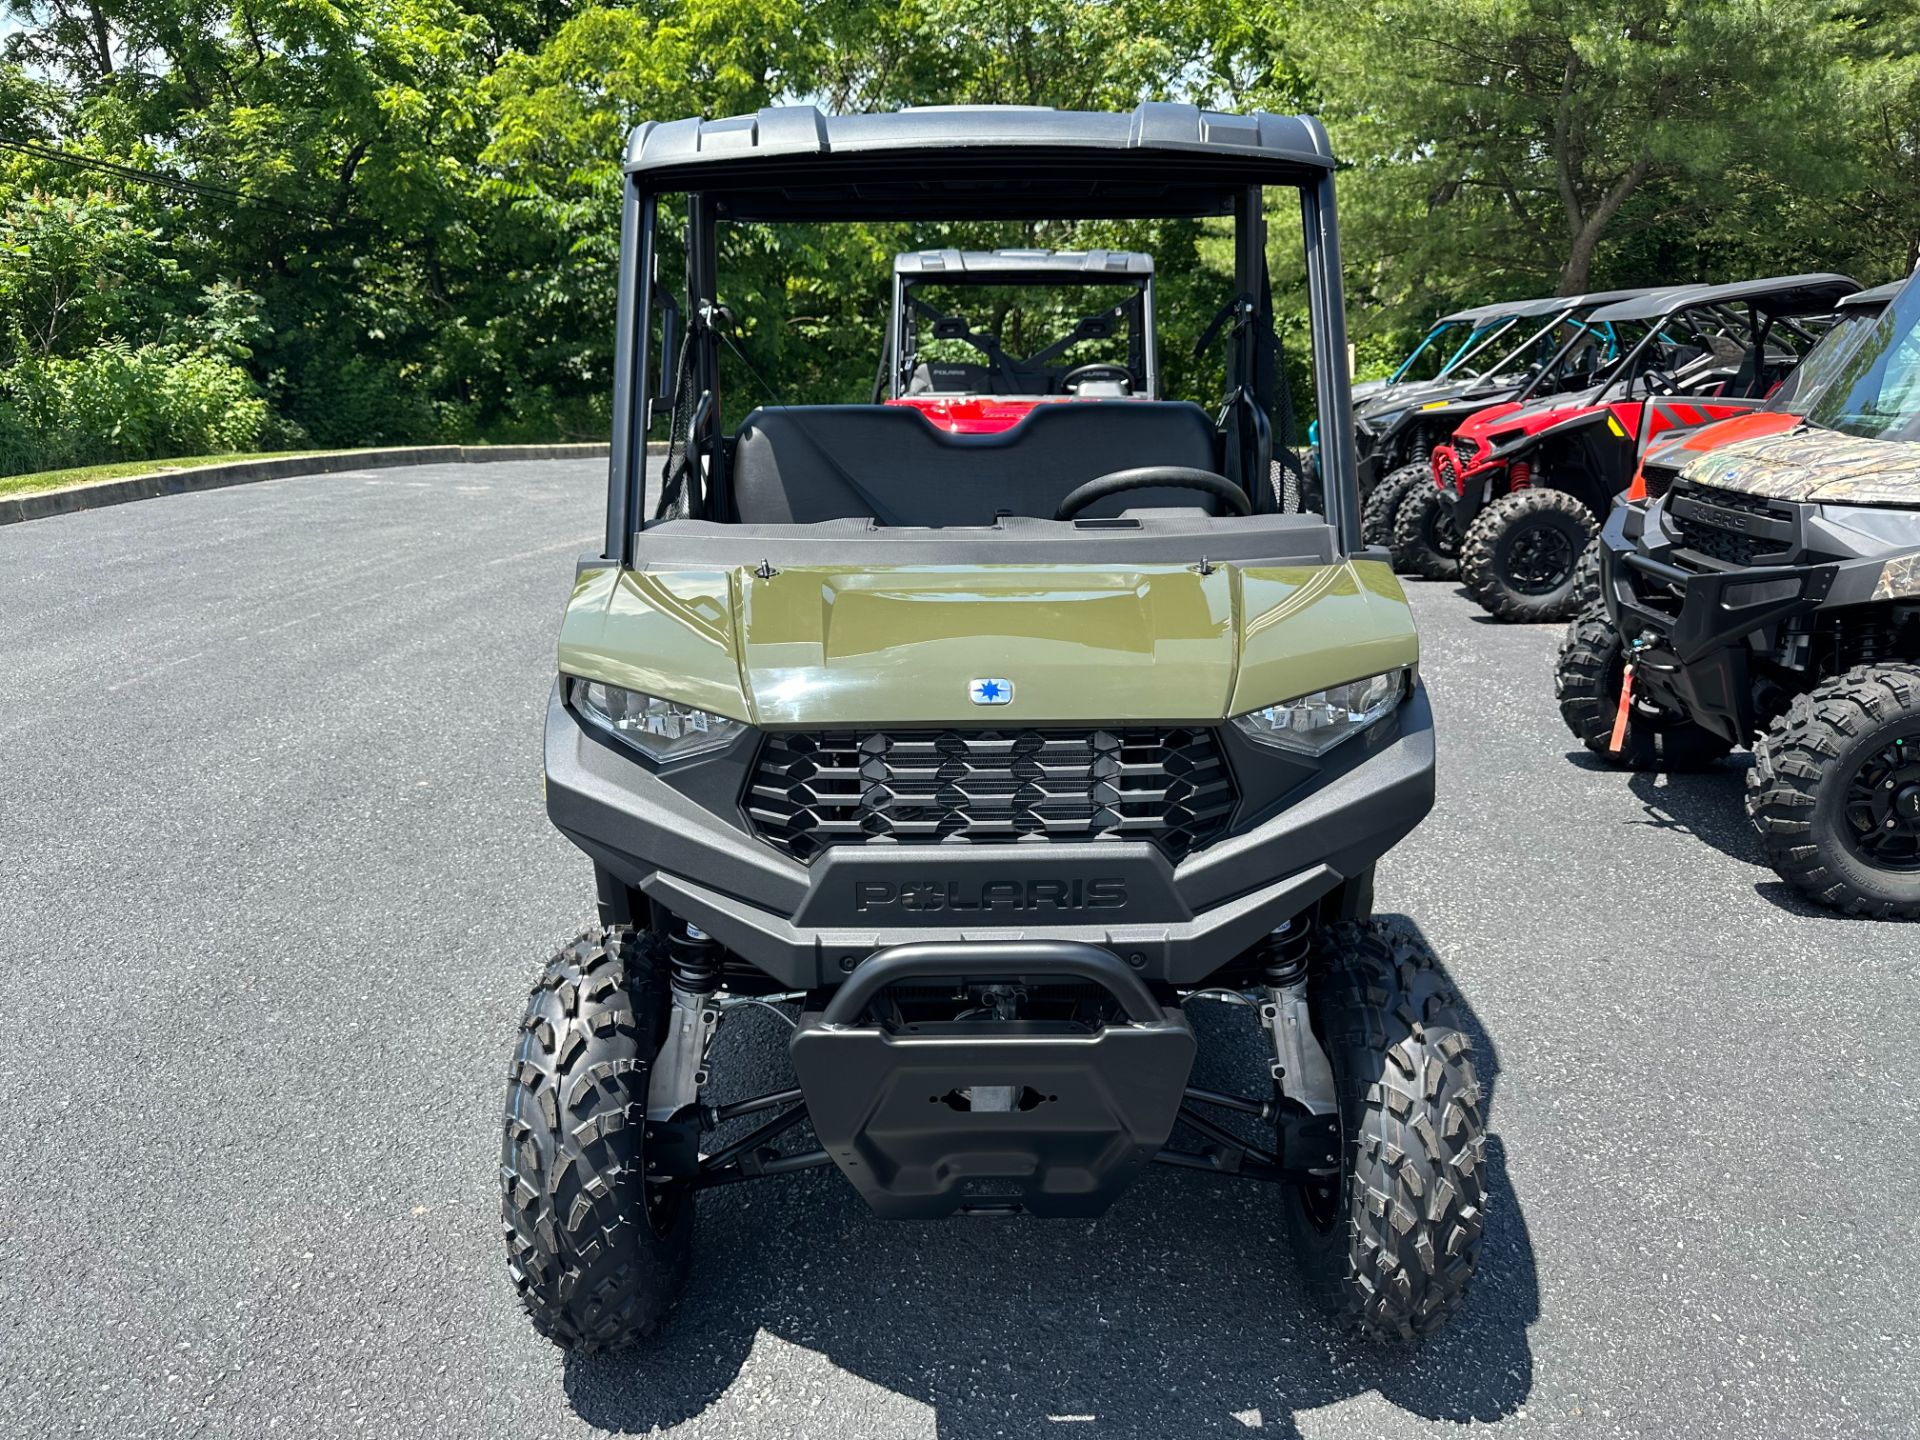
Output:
x,y
15,508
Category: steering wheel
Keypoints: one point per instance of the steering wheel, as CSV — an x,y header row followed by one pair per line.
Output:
x,y
1656,380
1100,371
1152,477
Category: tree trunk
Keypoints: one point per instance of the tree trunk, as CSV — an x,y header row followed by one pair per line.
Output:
x,y
1587,231
102,37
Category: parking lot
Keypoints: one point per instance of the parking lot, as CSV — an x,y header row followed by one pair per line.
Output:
x,y
277,876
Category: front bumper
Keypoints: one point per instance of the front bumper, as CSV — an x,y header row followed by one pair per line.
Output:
x,y
1054,1119
1698,628
1466,489
682,841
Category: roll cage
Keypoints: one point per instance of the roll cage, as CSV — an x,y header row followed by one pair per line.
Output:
x,y
1753,309
1483,324
966,163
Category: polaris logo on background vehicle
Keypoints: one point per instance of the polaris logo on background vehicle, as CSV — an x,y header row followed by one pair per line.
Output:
x,y
928,897
990,692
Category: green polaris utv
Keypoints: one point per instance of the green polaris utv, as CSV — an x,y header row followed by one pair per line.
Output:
x,y
983,757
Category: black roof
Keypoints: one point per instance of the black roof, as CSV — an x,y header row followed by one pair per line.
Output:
x,y
1774,295
985,161
1534,309
1876,298
1478,314
1086,267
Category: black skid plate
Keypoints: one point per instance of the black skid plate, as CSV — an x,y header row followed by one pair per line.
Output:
x,y
992,1115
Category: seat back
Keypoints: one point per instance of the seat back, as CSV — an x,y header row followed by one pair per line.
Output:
x,y
804,464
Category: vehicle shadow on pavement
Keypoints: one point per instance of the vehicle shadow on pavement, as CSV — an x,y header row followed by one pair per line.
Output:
x,y
1178,1313
1710,805
1706,804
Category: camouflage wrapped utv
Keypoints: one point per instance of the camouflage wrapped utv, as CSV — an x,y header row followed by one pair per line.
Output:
x,y
1771,597
988,754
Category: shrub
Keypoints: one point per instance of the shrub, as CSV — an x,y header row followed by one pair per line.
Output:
x,y
116,402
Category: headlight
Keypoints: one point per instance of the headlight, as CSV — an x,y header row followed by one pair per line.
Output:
x,y
1315,723
659,729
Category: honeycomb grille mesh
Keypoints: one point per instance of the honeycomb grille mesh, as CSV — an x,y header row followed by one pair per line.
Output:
x,y
1729,547
813,790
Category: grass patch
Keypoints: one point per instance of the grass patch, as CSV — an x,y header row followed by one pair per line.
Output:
x,y
122,469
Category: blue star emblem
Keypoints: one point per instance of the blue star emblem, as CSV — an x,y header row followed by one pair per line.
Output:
x,y
990,691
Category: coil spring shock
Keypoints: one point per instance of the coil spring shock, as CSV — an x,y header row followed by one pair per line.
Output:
x,y
1519,475
693,960
1284,953
1850,640
1422,451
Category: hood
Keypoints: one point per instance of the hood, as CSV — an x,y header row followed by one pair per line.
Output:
x,y
1811,465
1428,392
1534,415
1395,398
1677,450
1079,644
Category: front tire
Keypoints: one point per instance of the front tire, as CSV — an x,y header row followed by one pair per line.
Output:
x,y
1389,1247
1376,517
1835,792
1425,542
597,1251
1586,576
1586,681
1521,554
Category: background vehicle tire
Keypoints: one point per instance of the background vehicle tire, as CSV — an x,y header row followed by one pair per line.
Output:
x,y
1520,554
1829,776
597,1253
1388,1250
1586,576
1586,682
1376,516
1424,540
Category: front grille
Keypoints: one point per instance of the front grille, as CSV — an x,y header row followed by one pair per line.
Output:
x,y
1167,785
1464,450
1697,531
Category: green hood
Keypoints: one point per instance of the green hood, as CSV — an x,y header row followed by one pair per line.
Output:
x,y
1081,644
1815,466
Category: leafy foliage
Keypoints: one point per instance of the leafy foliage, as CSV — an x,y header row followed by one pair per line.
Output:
x,y
227,223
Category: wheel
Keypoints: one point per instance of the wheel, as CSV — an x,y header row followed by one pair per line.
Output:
x,y
1389,1247
1520,554
1376,516
597,1252
1835,792
1586,576
1425,541
1586,682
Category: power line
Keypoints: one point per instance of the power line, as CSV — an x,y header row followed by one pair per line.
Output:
x,y
158,179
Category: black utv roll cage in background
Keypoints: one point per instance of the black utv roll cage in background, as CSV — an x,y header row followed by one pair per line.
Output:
x,y
1027,374
1161,161
1750,308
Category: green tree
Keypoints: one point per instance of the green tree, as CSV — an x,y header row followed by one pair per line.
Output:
x,y
1502,140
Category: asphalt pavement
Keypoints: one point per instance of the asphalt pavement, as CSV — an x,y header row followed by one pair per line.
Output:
x,y
275,876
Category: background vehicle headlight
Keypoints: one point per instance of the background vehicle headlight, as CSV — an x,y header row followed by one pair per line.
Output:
x,y
1315,723
661,729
